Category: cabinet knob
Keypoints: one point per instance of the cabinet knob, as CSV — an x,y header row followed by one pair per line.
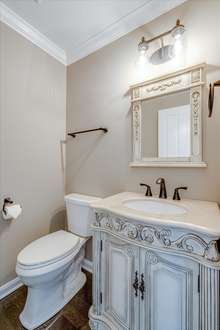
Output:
x,y
135,284
142,286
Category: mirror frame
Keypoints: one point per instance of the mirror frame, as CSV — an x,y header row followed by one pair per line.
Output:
x,y
188,79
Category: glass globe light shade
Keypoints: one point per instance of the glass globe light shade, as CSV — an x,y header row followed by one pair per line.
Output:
x,y
178,30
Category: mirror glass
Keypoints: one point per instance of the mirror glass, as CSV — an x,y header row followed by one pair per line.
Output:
x,y
166,126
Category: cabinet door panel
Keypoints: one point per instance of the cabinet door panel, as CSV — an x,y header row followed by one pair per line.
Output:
x,y
171,292
120,261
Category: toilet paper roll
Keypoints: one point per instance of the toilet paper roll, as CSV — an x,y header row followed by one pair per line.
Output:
x,y
12,211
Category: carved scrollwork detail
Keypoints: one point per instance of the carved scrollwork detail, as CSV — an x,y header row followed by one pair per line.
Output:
x,y
147,234
136,93
151,258
118,224
212,252
126,228
208,250
136,120
98,218
195,76
162,87
132,231
195,111
184,242
162,237
131,252
98,324
108,223
93,325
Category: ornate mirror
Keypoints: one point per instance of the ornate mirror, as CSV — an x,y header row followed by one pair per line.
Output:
x,y
167,120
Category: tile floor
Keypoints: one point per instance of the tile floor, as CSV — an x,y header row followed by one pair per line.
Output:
x,y
73,316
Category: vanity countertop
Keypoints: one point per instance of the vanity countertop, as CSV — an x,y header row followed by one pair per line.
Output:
x,y
202,216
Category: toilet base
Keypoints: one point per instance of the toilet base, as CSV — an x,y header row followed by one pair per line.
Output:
x,y
54,300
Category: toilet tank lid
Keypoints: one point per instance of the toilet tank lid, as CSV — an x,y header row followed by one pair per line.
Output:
x,y
81,199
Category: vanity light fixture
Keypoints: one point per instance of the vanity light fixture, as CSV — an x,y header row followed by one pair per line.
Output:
x,y
165,52
178,30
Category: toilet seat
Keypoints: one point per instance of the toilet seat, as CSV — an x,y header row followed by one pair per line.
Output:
x,y
52,249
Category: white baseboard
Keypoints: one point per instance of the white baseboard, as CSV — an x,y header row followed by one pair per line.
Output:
x,y
87,265
10,287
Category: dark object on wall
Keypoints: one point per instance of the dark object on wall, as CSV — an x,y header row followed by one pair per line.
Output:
x,y
105,130
211,95
7,201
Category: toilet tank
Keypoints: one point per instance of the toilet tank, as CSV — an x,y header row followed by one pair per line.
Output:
x,y
79,213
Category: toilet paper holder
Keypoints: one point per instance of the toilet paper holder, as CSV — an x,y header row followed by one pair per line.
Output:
x,y
7,201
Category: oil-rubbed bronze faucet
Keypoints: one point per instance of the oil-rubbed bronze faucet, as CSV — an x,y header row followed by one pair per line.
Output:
x,y
163,192
176,195
148,191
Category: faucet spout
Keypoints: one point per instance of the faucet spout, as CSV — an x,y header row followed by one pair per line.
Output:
x,y
163,191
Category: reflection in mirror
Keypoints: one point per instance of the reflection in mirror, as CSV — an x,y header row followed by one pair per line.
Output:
x,y
166,126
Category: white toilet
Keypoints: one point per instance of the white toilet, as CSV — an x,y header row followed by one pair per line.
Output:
x,y
51,265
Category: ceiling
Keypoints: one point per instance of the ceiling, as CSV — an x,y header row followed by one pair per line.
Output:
x,y
79,27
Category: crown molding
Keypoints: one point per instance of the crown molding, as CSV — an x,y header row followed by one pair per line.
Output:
x,y
14,21
140,16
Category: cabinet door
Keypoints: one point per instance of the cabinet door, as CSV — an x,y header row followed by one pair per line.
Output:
x,y
171,297
119,264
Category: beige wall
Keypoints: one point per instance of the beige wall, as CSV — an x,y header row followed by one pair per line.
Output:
x,y
32,124
97,94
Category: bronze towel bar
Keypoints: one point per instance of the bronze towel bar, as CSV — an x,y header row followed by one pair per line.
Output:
x,y
105,130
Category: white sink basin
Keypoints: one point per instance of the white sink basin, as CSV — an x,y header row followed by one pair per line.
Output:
x,y
154,206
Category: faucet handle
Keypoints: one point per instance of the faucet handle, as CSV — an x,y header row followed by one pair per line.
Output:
x,y
160,180
176,195
148,191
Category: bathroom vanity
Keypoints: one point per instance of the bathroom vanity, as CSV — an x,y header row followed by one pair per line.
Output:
x,y
156,264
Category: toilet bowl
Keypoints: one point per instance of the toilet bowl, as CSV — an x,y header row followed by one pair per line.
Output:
x,y
51,266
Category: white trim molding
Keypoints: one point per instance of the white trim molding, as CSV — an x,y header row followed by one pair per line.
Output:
x,y
18,24
87,265
168,164
10,287
143,14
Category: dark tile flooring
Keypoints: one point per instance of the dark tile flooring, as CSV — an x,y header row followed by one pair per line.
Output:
x,y
73,316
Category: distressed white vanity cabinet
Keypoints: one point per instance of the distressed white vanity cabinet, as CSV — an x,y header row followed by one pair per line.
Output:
x,y
155,273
